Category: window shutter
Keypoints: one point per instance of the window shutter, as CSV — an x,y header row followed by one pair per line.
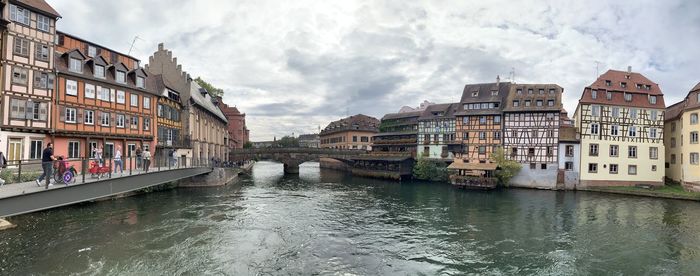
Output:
x,y
127,121
112,95
43,111
62,114
112,120
50,82
29,110
79,115
37,79
61,38
13,12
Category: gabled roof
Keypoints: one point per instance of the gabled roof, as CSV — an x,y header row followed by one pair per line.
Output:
x,y
359,122
690,102
640,96
204,101
39,6
484,92
533,97
432,112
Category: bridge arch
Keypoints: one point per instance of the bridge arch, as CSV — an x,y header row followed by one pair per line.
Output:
x,y
293,157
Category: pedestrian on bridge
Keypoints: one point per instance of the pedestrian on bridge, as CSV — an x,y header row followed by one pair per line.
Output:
x,y
47,159
139,158
146,160
118,160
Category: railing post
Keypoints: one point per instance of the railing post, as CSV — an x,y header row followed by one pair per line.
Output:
x,y
111,167
131,165
158,163
83,167
19,171
168,160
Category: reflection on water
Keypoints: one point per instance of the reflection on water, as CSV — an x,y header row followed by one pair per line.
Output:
x,y
328,222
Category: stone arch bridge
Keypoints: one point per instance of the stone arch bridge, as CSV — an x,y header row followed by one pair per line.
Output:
x,y
293,157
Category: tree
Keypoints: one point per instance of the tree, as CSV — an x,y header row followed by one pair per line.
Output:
x,y
287,142
213,91
432,170
248,145
507,168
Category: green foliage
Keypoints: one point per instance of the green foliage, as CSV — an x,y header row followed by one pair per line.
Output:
x,y
287,142
248,145
432,170
213,91
507,168
10,176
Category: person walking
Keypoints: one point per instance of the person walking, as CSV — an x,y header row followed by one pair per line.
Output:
x,y
146,160
3,164
47,159
139,157
118,160
98,154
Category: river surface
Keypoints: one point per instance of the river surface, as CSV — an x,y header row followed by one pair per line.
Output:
x,y
324,222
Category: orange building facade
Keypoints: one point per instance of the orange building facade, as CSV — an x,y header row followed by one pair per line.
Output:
x,y
103,99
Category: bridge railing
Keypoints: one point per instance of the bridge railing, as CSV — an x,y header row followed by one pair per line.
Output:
x,y
297,150
82,170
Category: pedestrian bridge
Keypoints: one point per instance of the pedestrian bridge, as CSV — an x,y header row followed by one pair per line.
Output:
x,y
293,157
22,198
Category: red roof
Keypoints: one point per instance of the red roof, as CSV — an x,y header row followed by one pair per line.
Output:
x,y
636,84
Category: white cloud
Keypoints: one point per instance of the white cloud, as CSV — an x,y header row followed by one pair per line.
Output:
x,y
295,65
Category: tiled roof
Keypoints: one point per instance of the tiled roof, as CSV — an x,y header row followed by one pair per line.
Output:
x,y
640,96
484,92
392,116
204,101
533,97
358,122
38,5
690,102
448,111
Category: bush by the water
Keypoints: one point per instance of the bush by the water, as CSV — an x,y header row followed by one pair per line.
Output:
x,y
432,170
507,169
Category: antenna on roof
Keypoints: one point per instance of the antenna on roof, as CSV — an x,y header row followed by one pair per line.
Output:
x,y
132,44
511,75
597,63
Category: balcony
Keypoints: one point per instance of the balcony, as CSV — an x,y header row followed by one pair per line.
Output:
x,y
179,143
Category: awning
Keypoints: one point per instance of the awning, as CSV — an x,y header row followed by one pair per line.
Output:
x,y
473,166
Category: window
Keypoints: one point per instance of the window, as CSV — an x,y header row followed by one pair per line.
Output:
x,y
539,102
595,110
529,91
569,151
73,149
543,166
633,113
365,139
89,117
19,75
694,119
120,120
592,167
628,97
41,80
516,103
551,91
652,99
673,159
673,127
614,130
653,153
121,97
527,102
19,14
614,150
608,83
616,112
92,52
613,168
520,91
134,101
140,82
595,129
541,91
71,87
42,52
594,94
623,84
121,77
146,123
693,137
475,94
569,166
104,119
497,135
482,149
482,120
103,94
482,135
550,102
146,102
40,111
533,166
608,95
497,119
693,158
632,151
134,122
43,23
652,133
89,91
35,149
21,47
673,142
654,115
70,115
632,169
550,151
18,108
593,149
76,65
99,71
632,131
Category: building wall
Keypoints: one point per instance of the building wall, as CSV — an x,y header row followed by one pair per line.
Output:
x,y
690,172
346,140
429,130
536,178
468,129
674,170
538,131
571,177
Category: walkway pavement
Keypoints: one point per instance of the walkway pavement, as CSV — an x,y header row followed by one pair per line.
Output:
x,y
14,189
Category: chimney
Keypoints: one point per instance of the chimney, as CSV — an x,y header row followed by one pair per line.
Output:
x,y
629,69
498,80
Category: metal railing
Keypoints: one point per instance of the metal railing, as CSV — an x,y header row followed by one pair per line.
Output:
x,y
89,169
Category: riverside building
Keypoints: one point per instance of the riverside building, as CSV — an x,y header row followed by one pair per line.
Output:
x,y
436,131
354,132
681,129
620,118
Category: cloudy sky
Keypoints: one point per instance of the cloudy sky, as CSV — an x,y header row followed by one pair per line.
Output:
x,y
293,66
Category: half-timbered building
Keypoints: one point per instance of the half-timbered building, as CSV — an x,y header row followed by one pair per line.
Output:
x,y
681,130
27,81
531,133
620,119
171,136
103,99
436,131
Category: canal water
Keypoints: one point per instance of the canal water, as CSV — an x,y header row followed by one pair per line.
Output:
x,y
324,222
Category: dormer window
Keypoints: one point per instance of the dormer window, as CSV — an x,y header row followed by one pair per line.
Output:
x,y
527,102
520,91
76,65
698,97
475,94
99,71
529,91
639,86
140,82
608,83
623,84
541,91
608,95
121,77
648,87
551,91
594,94
539,102
92,51
652,99
516,103
628,97
494,93
627,76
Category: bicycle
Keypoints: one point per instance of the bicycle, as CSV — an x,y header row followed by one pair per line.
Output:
x,y
64,173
